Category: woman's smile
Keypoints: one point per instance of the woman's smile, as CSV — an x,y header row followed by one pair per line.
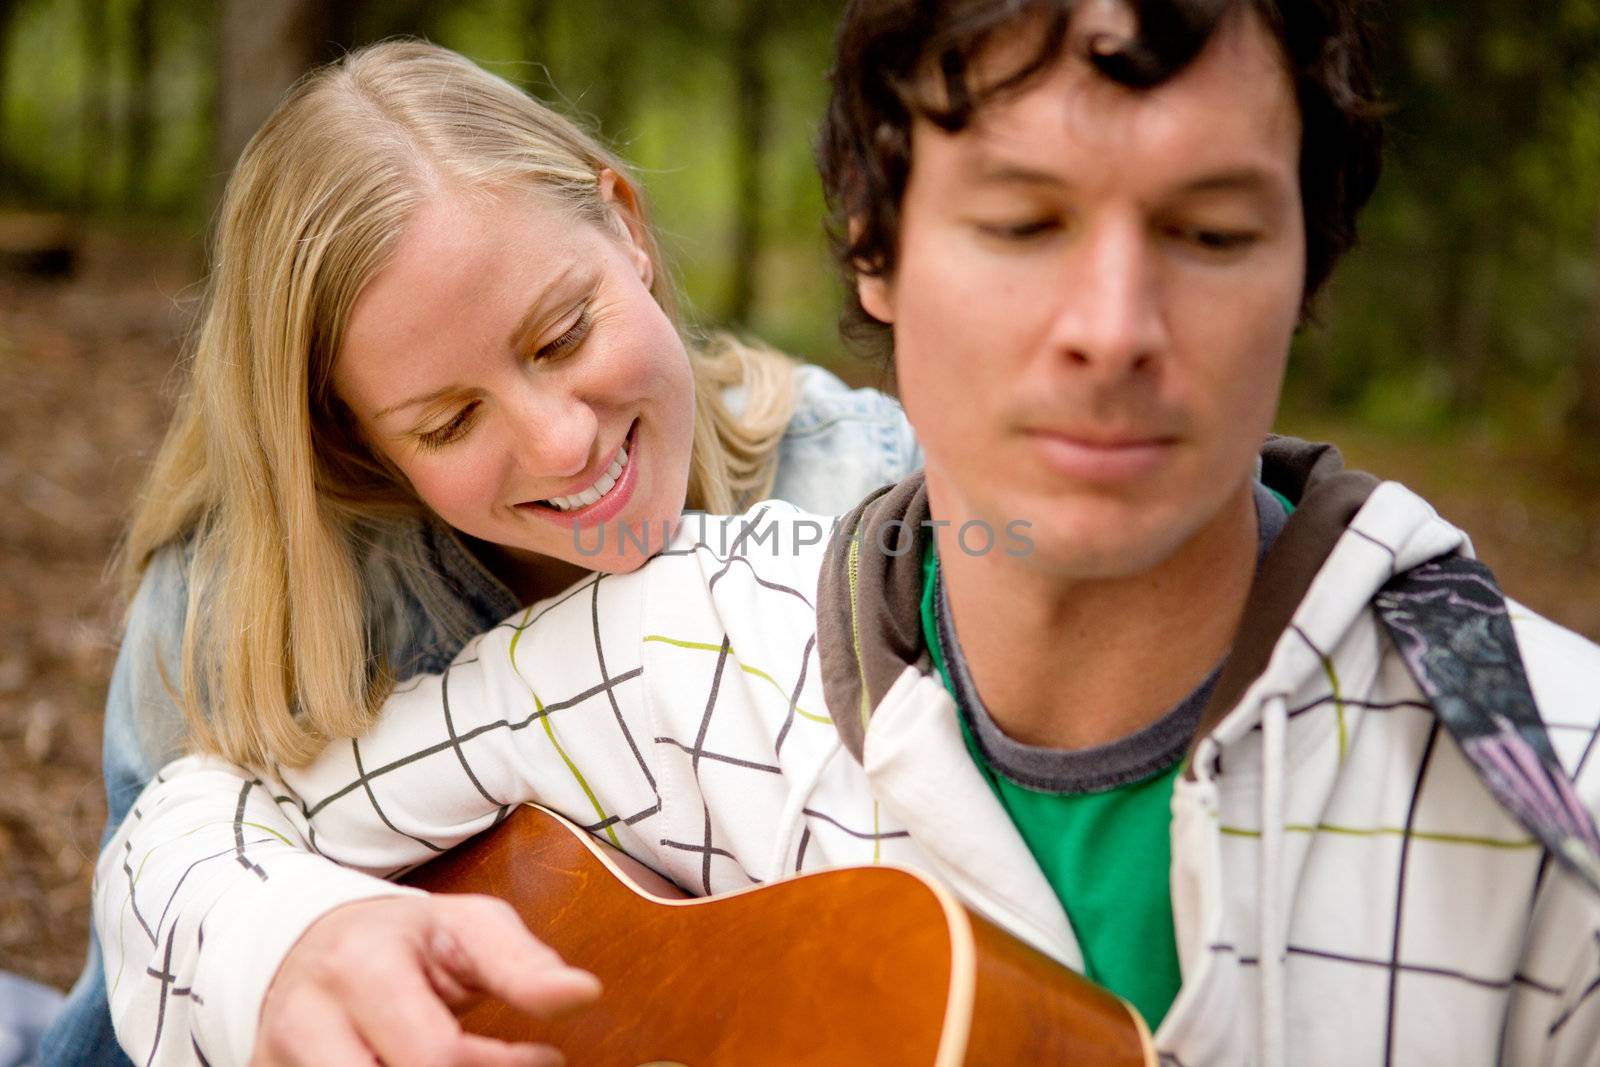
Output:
x,y
603,498
594,380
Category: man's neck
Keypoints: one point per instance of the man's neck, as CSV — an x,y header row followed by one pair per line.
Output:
x,y
1068,663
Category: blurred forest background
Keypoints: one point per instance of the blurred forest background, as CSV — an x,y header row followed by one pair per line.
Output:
x,y
1458,350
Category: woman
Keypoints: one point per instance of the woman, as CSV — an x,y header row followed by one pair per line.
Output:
x,y
438,353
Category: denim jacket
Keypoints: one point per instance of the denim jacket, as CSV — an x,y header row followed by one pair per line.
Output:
x,y
840,445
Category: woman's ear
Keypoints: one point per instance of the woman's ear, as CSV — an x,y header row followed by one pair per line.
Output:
x,y
623,203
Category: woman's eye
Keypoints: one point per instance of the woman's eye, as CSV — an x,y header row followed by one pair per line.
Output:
x,y
571,338
450,431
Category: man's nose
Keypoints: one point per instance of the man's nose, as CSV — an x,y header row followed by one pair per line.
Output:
x,y
1109,320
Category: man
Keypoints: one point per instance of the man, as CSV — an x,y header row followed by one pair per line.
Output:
x,y
1256,753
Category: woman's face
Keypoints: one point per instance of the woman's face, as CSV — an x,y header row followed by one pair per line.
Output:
x,y
511,362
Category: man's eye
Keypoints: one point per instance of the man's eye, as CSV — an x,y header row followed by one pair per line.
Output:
x,y
1019,231
570,339
1216,240
450,431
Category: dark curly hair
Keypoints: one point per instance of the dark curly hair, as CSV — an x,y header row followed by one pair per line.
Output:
x,y
885,51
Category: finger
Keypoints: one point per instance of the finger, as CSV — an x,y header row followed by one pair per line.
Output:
x,y
309,1034
406,1022
484,947
487,1052
540,984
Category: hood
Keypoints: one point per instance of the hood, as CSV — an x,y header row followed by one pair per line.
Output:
x,y
869,627
869,597
1353,548
1326,497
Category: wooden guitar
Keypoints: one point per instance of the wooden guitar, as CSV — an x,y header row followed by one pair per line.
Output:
x,y
859,966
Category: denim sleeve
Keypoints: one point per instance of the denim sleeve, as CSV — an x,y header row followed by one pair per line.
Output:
x,y
841,444
144,728
143,731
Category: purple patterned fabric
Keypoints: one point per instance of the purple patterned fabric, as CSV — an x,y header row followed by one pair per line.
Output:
x,y
1449,621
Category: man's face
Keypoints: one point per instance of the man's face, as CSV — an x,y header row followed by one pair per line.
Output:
x,y
1095,293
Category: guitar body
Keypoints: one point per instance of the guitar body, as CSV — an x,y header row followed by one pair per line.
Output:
x,y
865,965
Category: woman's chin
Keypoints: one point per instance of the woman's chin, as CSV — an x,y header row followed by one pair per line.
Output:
x,y
623,544
625,564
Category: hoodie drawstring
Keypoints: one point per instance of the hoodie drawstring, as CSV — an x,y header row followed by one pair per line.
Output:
x,y
1274,927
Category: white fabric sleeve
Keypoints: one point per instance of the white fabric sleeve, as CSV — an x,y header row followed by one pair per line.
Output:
x,y
1554,1019
199,896
209,882
1574,1033
545,707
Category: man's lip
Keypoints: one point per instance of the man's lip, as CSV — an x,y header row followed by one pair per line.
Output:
x,y
1109,442
1103,458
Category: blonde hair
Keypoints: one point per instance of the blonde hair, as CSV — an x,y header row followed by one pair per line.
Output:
x,y
262,476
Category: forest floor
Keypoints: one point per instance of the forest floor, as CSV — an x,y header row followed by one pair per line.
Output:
x,y
86,385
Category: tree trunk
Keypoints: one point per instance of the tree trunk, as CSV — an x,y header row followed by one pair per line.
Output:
x,y
364,21
538,19
750,118
8,11
141,104
610,94
1586,410
262,48
96,102
1473,320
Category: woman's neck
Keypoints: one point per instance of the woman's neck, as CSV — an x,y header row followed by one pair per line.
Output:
x,y
530,577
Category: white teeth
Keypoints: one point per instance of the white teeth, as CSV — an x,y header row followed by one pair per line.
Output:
x,y
600,488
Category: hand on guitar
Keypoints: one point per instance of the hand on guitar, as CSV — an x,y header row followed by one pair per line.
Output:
x,y
376,981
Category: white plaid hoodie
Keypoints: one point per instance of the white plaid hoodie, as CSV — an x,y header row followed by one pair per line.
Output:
x,y
759,701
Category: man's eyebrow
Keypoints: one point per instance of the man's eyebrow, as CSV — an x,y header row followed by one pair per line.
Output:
x,y
1246,178
1242,179
991,170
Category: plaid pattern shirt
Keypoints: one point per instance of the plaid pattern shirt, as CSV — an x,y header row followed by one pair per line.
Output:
x,y
686,713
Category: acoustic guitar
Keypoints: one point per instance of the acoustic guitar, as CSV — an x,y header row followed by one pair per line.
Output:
x,y
859,966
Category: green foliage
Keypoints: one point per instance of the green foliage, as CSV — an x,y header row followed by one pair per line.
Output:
x,y
47,97
1480,262
1478,266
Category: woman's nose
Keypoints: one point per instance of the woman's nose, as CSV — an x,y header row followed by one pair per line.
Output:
x,y
555,435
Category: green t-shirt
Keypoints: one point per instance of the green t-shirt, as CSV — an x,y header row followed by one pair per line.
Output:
x,y
1097,822
1106,854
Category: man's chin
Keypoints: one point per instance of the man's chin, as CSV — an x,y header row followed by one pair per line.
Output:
x,y
1091,561
1097,541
